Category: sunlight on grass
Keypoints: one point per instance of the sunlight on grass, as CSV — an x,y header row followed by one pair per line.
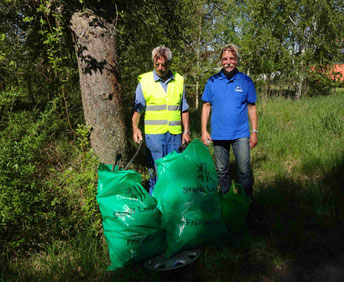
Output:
x,y
81,258
298,170
301,137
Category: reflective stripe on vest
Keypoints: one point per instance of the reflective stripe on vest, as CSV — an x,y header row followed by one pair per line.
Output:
x,y
163,109
156,108
163,122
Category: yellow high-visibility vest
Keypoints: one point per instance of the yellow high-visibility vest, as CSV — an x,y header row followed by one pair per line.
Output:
x,y
163,110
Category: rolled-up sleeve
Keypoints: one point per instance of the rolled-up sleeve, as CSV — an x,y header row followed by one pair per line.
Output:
x,y
251,93
207,93
184,105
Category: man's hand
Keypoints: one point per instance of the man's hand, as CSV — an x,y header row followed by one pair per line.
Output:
x,y
137,135
253,140
186,138
206,109
185,120
206,138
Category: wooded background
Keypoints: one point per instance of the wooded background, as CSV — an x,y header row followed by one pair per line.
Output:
x,y
68,72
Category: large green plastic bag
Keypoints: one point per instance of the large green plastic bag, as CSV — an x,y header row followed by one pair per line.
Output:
x,y
131,221
235,208
186,192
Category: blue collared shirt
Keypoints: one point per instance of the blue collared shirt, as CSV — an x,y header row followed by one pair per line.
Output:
x,y
229,99
140,102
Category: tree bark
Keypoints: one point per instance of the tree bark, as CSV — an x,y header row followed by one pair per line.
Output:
x,y
95,47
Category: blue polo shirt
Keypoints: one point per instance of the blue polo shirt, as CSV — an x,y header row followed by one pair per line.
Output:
x,y
229,99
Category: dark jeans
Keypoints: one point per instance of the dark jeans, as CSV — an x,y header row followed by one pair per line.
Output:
x,y
241,150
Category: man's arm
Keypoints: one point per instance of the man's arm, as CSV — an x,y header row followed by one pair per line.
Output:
x,y
137,135
138,108
206,109
252,115
185,120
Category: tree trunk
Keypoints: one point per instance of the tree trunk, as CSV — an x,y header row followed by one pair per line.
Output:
x,y
198,51
95,47
300,84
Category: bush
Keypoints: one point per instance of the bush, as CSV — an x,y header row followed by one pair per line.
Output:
x,y
20,197
43,197
320,82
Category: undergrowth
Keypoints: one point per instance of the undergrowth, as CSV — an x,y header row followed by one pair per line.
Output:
x,y
298,216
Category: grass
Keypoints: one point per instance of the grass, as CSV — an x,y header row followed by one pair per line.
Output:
x,y
301,139
298,217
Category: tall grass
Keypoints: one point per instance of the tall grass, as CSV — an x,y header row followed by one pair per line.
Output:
x,y
299,139
298,214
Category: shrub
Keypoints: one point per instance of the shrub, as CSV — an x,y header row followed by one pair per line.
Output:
x,y
20,197
42,197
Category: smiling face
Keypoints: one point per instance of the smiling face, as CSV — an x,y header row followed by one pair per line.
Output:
x,y
161,67
229,60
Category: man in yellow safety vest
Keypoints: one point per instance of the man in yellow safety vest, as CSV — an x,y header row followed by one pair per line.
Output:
x,y
160,94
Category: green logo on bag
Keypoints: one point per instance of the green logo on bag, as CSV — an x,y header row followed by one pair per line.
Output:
x,y
202,172
136,192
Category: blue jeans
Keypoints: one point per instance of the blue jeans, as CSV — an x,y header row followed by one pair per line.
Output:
x,y
158,146
241,150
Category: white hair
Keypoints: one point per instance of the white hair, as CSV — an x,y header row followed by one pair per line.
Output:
x,y
231,48
162,51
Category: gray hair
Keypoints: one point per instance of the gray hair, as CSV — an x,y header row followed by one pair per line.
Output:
x,y
162,51
231,48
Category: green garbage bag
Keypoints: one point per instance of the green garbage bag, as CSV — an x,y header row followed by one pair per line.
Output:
x,y
235,208
131,220
187,195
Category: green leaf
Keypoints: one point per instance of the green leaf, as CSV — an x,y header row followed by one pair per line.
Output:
x,y
28,19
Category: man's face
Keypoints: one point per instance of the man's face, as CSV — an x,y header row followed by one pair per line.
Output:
x,y
229,60
161,67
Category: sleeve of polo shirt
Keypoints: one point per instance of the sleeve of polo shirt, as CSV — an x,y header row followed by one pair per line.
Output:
x,y
251,93
207,93
140,102
184,104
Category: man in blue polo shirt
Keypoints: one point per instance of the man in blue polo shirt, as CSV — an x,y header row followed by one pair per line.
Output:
x,y
229,96
160,94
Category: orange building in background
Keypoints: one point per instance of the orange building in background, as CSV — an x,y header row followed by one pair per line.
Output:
x,y
335,73
339,68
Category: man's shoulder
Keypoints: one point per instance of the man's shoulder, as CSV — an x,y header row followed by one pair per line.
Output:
x,y
245,77
145,75
216,76
177,75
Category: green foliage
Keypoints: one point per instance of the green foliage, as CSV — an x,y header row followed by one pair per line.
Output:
x,y
83,133
298,214
9,98
62,260
39,201
289,37
74,190
322,81
48,175
22,200
299,139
